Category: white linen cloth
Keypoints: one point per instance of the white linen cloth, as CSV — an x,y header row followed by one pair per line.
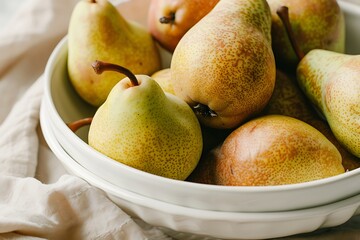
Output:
x,y
38,199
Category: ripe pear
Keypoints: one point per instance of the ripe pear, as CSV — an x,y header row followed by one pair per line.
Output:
x,y
289,100
205,170
224,66
331,81
98,31
141,126
169,20
317,24
275,150
162,77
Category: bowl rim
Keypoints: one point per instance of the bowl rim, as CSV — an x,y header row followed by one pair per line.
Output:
x,y
51,65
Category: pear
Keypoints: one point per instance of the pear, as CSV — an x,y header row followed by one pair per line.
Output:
x,y
205,170
162,77
141,126
331,81
224,67
275,150
98,31
289,100
169,20
317,24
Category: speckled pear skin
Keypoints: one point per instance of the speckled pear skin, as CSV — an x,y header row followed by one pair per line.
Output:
x,y
289,100
275,150
226,62
97,31
317,24
162,77
145,128
332,82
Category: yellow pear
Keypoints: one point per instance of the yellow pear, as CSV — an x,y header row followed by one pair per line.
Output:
x,y
141,126
275,150
316,24
98,31
224,66
162,77
331,81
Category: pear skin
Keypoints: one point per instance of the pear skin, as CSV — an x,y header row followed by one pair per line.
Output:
x,y
147,129
205,170
331,81
224,66
317,24
169,20
162,77
276,150
98,31
289,100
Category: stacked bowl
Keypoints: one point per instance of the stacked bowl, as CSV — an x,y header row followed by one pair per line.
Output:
x,y
189,209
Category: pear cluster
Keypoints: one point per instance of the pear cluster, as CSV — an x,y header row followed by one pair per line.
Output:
x,y
257,92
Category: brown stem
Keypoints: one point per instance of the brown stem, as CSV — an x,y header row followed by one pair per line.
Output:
x,y
283,13
167,19
99,67
74,126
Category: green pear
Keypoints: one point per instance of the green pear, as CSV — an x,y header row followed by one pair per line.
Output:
x,y
275,150
224,67
98,31
331,81
289,100
141,126
317,24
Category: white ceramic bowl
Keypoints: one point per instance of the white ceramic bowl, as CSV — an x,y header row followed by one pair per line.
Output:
x,y
64,105
188,223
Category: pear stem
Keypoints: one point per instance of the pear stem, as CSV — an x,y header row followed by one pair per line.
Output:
x,y
167,19
283,13
74,126
99,67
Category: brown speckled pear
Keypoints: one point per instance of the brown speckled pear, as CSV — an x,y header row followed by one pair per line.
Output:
x,y
289,100
98,31
317,24
332,83
145,128
275,150
224,65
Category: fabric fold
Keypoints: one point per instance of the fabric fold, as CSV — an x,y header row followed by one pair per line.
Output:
x,y
67,209
19,142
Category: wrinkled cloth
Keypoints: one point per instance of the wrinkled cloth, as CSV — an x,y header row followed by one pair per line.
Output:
x,y
38,198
